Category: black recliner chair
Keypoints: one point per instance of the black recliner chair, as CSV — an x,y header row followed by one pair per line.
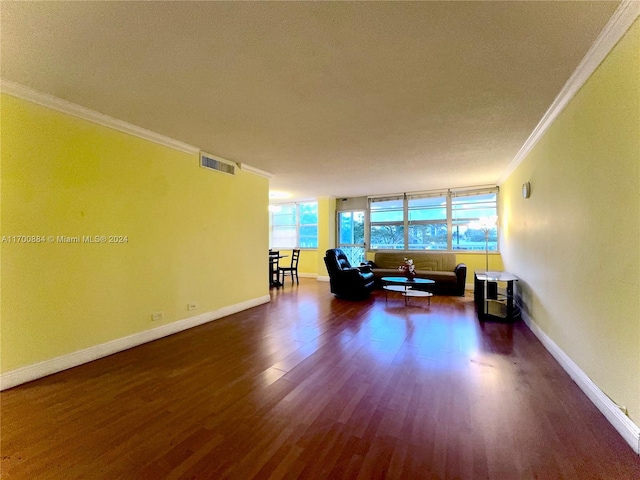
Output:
x,y
347,281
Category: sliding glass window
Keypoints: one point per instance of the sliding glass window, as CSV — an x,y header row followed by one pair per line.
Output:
x,y
445,220
474,224
427,218
308,225
294,225
387,223
283,226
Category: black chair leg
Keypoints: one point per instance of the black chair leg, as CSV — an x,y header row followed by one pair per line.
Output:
x,y
284,274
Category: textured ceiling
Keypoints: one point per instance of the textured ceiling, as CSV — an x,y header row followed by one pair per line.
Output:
x,y
333,98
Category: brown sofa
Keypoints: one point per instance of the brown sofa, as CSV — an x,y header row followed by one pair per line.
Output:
x,y
440,267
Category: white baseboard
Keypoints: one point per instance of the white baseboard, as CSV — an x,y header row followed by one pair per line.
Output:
x,y
307,275
58,364
323,278
623,424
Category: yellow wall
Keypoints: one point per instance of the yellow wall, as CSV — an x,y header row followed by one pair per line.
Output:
x,y
326,232
306,265
193,235
478,261
575,243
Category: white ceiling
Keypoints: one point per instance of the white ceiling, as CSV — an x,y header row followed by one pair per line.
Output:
x,y
333,98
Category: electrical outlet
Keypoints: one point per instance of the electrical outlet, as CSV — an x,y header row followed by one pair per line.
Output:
x,y
157,316
192,306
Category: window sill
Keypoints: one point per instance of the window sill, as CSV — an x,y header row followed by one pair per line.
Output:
x,y
466,252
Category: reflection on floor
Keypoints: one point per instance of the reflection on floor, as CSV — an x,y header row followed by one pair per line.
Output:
x,y
310,386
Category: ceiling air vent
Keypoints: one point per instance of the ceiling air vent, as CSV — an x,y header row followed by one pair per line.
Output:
x,y
213,163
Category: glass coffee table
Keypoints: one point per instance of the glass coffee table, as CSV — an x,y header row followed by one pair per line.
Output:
x,y
406,287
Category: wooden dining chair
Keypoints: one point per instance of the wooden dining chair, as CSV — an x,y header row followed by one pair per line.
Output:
x,y
274,268
293,269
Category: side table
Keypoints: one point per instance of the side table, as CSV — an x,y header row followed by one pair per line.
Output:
x,y
491,304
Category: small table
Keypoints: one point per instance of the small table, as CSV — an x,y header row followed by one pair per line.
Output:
x,y
490,303
405,286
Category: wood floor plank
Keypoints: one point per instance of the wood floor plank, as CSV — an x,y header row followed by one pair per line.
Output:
x,y
311,386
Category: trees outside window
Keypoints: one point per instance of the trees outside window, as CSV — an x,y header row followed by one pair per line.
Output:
x,y
433,221
387,223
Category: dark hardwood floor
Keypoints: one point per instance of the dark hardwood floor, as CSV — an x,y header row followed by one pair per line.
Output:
x,y
309,386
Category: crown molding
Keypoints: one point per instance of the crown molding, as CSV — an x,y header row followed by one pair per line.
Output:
x,y
618,24
49,101
257,171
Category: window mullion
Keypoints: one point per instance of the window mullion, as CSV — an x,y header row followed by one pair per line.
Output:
x,y
298,224
449,222
405,214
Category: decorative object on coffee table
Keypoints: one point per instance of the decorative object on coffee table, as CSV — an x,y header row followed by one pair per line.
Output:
x,y
409,269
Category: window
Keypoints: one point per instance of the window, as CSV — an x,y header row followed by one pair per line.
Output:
x,y
446,220
470,214
308,225
351,228
283,226
294,225
427,223
387,224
